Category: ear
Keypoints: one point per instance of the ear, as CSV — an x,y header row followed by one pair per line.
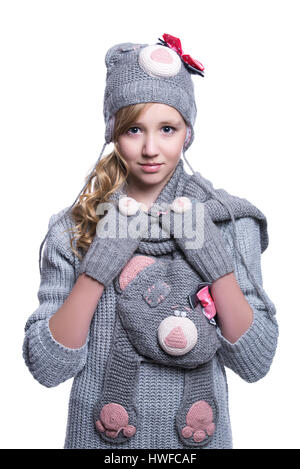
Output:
x,y
132,269
113,54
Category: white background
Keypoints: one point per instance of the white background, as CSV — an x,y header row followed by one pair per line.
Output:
x,y
247,142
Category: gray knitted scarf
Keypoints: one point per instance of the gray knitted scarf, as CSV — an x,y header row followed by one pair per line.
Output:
x,y
155,323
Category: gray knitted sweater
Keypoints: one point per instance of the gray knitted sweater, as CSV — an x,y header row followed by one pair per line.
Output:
x,y
160,388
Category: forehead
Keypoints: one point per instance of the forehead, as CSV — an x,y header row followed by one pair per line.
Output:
x,y
159,113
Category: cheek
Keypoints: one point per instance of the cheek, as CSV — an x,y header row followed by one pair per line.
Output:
x,y
128,148
173,146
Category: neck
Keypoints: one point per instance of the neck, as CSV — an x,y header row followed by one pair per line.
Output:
x,y
166,193
146,194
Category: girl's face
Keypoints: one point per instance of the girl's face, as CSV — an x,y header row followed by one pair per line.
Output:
x,y
152,147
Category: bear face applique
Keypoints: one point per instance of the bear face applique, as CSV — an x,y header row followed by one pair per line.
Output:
x,y
155,312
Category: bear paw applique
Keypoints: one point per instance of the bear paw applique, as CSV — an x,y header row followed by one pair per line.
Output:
x,y
113,419
199,421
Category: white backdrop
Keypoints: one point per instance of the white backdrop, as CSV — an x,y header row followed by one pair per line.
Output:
x,y
247,142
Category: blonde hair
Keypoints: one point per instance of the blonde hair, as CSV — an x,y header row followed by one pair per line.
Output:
x,y
109,174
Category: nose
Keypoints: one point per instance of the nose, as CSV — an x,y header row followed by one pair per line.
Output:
x,y
150,146
176,338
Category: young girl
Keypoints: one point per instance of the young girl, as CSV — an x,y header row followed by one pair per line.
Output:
x,y
140,337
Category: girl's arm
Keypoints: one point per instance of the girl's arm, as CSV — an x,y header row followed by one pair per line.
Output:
x,y
48,360
70,324
235,315
247,326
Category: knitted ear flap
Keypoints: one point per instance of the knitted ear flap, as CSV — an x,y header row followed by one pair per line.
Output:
x,y
188,137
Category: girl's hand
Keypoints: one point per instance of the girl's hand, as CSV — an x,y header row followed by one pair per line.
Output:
x,y
117,237
189,222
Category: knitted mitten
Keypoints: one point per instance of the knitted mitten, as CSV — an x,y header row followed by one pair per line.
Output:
x,y
117,237
189,222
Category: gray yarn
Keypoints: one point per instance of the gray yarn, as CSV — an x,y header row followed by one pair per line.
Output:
x,y
130,348
230,203
109,253
139,315
128,83
200,188
161,388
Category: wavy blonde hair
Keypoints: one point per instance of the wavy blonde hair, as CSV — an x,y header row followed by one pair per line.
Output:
x,y
109,174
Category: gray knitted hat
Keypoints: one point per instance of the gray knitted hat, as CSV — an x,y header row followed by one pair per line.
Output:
x,y
142,73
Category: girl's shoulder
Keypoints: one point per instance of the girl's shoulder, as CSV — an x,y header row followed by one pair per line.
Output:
x,y
247,232
226,208
61,219
60,230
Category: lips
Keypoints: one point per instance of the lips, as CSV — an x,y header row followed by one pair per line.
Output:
x,y
151,167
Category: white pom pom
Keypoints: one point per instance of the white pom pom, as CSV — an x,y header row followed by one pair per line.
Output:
x,y
128,206
181,204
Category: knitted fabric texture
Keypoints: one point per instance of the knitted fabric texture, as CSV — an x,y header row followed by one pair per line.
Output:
x,y
160,390
143,73
144,306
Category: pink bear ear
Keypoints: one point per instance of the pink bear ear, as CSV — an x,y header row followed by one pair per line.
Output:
x,y
132,268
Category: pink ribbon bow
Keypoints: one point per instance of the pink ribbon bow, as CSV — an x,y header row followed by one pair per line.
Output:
x,y
174,43
203,297
206,302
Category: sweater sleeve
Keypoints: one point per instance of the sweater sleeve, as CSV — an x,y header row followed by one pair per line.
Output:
x,y
252,354
50,362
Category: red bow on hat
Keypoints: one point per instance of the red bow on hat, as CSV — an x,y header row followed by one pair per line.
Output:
x,y
174,43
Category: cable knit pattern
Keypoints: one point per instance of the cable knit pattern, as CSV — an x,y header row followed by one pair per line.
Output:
x,y
160,388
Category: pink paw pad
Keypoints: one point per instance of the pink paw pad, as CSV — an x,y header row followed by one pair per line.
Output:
x,y
113,419
199,420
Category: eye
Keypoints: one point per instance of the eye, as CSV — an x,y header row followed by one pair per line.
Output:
x,y
132,128
180,313
169,127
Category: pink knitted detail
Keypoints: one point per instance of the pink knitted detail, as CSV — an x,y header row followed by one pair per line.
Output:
x,y
200,415
161,55
129,431
199,420
187,432
199,436
113,419
210,429
99,426
207,302
111,433
176,338
132,268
